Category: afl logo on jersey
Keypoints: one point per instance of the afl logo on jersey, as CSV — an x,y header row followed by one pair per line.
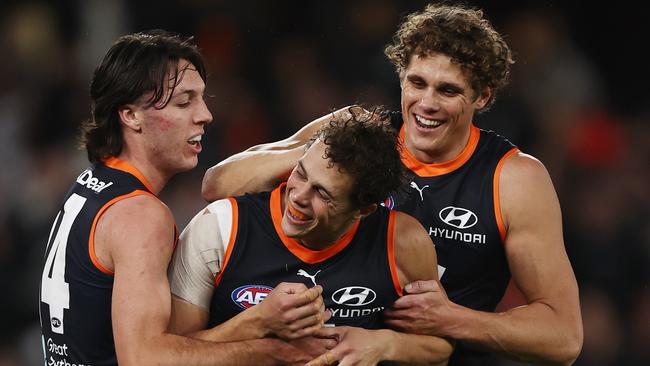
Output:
x,y
458,217
389,203
250,295
56,322
354,296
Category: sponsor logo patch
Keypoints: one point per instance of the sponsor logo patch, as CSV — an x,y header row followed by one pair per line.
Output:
x,y
250,295
354,296
458,217
86,179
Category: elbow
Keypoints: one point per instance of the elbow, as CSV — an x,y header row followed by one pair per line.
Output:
x,y
209,188
572,347
567,352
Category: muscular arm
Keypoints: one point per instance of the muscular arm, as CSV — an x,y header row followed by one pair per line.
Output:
x,y
241,172
549,328
137,235
415,259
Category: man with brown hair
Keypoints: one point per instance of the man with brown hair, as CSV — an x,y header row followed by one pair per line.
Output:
x,y
490,209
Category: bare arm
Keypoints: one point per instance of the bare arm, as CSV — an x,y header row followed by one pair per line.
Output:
x,y
549,328
262,167
415,259
290,311
137,234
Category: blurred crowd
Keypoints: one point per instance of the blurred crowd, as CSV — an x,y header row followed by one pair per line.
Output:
x,y
577,101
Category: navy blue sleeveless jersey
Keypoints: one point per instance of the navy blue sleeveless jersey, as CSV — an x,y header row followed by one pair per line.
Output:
x,y
75,293
458,204
357,273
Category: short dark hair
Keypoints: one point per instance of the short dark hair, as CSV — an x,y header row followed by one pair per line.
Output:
x,y
364,144
464,35
135,64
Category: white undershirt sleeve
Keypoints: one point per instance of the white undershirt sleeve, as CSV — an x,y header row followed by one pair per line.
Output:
x,y
199,254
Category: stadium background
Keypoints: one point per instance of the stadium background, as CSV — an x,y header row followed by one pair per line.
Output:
x,y
578,100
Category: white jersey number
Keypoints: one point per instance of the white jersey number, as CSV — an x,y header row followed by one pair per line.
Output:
x,y
54,289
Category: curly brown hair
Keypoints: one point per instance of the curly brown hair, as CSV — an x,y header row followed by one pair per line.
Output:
x,y
365,145
461,33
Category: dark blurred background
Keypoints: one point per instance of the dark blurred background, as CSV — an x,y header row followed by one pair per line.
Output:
x,y
578,100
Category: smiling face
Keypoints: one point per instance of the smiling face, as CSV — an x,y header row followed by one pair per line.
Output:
x,y
438,105
172,135
317,209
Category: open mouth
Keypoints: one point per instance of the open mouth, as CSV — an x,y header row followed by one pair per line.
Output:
x,y
427,123
296,215
195,141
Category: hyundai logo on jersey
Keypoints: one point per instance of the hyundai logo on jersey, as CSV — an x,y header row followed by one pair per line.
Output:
x,y
354,296
458,217
249,295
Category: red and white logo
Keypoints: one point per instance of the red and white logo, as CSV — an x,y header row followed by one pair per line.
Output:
x,y
250,295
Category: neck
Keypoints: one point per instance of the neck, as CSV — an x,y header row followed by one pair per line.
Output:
x,y
154,176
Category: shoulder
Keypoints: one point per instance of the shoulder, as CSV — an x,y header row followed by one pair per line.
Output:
x,y
522,173
143,220
525,187
143,210
209,229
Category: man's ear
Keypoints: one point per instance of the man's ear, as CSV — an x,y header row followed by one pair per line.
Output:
x,y
128,116
367,210
483,98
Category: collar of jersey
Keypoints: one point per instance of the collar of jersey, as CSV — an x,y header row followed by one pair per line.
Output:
x,y
124,166
431,170
305,254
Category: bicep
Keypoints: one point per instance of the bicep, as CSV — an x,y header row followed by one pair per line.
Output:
x,y
415,254
141,248
534,244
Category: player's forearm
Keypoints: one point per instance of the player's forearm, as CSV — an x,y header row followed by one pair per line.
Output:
x,y
413,349
249,171
168,349
239,328
536,333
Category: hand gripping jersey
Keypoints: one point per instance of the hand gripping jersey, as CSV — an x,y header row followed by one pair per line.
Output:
x,y
357,273
457,202
75,293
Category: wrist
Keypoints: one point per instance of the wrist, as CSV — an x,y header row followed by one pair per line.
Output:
x,y
252,323
389,343
459,322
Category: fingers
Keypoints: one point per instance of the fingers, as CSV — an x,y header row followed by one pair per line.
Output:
x,y
419,287
291,287
327,358
311,294
328,332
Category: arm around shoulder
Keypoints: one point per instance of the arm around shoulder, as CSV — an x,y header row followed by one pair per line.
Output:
x,y
241,173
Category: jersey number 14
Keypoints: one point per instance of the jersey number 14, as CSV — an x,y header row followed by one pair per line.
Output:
x,y
54,290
